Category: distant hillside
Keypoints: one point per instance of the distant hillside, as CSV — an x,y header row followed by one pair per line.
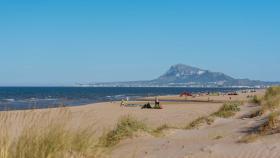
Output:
x,y
181,75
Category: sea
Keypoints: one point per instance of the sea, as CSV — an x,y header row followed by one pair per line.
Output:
x,y
20,98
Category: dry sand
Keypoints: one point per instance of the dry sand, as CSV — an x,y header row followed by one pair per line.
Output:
x,y
105,116
203,142
177,143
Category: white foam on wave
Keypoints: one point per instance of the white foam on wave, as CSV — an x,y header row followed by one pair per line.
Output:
x,y
9,100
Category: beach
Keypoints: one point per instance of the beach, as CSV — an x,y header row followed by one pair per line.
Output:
x,y
218,139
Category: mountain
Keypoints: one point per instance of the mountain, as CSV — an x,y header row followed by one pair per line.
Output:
x,y
181,75
186,74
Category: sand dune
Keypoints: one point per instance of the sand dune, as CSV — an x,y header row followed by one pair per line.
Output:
x,y
202,143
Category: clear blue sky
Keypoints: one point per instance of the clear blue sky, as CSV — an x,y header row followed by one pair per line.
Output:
x,y
60,42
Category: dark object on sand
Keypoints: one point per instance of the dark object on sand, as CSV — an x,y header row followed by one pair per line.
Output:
x,y
233,93
253,91
133,105
185,94
157,106
147,106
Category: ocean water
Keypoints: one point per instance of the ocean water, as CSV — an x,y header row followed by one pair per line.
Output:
x,y
18,98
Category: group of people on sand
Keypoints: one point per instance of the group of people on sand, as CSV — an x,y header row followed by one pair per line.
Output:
x,y
146,106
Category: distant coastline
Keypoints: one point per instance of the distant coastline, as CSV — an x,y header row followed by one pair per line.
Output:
x,y
181,75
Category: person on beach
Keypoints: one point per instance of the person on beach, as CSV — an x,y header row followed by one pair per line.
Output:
x,y
122,103
157,104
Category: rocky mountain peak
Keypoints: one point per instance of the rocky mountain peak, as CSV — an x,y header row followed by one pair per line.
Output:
x,y
181,70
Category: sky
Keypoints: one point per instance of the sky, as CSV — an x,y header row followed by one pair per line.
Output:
x,y
63,42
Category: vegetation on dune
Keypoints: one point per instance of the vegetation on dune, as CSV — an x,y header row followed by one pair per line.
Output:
x,y
50,138
159,130
199,121
228,110
218,137
271,125
257,113
49,135
256,100
53,142
270,105
125,128
249,138
271,99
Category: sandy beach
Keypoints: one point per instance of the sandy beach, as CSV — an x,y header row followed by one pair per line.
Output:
x,y
218,140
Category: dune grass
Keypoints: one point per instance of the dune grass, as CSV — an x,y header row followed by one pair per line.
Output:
x,y
257,113
271,99
50,134
252,137
228,110
125,128
159,131
199,121
256,100
271,125
45,135
269,102
270,106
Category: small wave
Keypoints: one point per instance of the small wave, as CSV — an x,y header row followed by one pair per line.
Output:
x,y
8,100
49,99
119,96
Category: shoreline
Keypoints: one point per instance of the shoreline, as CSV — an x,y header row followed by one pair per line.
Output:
x,y
16,105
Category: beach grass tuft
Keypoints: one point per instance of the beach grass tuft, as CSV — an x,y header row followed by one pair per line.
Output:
x,y
228,110
125,128
199,121
257,113
271,99
159,130
271,125
270,105
45,135
256,100
249,138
